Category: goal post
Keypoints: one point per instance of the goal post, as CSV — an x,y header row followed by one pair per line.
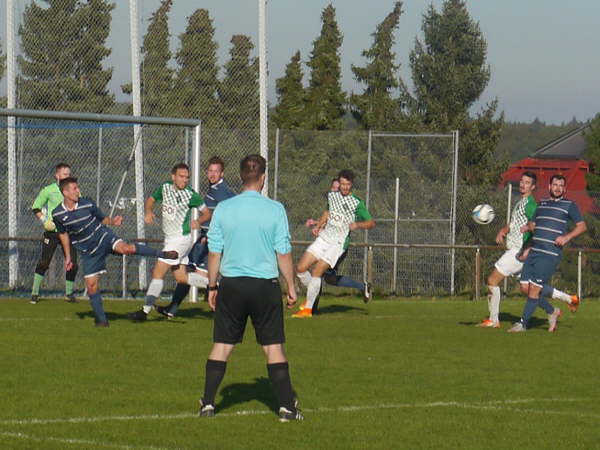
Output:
x,y
143,122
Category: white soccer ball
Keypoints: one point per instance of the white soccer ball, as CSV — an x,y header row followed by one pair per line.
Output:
x,y
483,214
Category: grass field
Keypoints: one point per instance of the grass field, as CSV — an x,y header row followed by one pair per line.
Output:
x,y
412,374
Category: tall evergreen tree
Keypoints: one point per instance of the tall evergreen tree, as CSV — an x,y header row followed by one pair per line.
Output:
x,y
156,75
196,81
375,108
450,73
325,98
592,154
291,96
63,47
238,92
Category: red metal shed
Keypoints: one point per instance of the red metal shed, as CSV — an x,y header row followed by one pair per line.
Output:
x,y
561,156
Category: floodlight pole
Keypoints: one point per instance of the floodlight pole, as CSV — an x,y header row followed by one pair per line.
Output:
x,y
196,186
453,225
262,87
134,32
13,252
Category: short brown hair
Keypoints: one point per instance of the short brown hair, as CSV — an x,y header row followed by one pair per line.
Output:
x,y
61,165
347,174
65,182
252,167
216,160
176,167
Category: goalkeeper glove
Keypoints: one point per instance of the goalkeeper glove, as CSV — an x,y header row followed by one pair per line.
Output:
x,y
49,225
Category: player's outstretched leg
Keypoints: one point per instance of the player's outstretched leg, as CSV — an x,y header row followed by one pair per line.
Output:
x,y
572,301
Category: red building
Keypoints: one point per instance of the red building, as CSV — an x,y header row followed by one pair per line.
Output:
x,y
561,156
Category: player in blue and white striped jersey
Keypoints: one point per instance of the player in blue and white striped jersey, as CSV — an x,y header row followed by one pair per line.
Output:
x,y
550,235
80,222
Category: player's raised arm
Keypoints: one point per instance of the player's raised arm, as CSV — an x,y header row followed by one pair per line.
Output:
x,y
149,210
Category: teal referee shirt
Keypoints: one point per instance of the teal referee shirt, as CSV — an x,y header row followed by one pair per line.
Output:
x,y
248,230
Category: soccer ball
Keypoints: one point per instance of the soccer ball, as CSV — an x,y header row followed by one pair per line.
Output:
x,y
483,214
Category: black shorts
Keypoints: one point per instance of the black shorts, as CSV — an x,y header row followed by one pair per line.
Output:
x,y
240,297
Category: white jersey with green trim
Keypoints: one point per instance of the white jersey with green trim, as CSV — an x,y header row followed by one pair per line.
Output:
x,y
523,212
176,205
342,212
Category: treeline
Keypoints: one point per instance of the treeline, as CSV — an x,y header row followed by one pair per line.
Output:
x,y
64,45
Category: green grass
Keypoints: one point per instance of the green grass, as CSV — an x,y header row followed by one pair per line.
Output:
x,y
412,374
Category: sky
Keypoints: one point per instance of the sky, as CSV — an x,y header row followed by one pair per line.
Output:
x,y
544,55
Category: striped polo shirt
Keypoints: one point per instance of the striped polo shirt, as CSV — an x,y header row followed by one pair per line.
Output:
x,y
84,225
216,193
551,220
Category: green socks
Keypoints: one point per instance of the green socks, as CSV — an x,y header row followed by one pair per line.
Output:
x,y
37,282
69,287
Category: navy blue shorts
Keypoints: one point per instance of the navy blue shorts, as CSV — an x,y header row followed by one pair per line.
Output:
x,y
539,268
198,255
95,263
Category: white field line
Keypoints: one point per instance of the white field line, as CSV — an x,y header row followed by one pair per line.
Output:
x,y
499,404
78,442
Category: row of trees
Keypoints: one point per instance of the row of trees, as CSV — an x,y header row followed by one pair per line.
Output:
x,y
64,45
449,74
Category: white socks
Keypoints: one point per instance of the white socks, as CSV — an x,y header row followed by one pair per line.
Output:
x,y
195,279
312,291
562,296
494,302
153,292
305,277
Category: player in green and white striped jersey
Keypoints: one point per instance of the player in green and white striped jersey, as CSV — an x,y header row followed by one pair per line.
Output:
x,y
345,212
177,200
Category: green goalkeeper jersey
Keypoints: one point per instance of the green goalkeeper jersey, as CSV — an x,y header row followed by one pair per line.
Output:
x,y
48,199
176,208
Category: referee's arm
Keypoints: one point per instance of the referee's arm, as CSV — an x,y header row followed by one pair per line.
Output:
x,y
286,266
214,263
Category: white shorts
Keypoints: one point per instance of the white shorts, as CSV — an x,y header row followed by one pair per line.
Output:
x,y
182,245
508,264
325,251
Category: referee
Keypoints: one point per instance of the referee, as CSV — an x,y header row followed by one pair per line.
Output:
x,y
248,239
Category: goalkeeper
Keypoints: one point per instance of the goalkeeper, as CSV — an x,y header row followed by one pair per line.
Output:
x,y
48,199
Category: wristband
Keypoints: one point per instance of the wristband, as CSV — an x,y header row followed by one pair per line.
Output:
x,y
212,288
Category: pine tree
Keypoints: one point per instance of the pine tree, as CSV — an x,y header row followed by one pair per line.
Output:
x,y
156,75
238,92
196,81
291,96
375,108
63,48
450,73
325,98
592,154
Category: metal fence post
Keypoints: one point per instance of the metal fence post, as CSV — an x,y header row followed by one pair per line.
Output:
x,y
196,153
124,277
453,225
579,276
368,196
276,164
396,206
508,212
477,272
11,94
99,166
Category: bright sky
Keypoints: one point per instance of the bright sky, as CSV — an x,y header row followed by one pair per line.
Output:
x,y
544,54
